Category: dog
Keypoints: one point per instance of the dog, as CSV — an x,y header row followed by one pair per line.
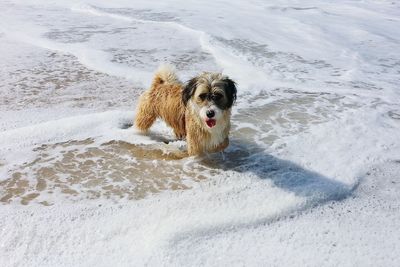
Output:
x,y
199,110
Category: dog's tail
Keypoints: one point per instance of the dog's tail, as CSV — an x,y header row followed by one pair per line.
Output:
x,y
165,75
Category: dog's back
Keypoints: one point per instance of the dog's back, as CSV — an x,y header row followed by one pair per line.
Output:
x,y
162,100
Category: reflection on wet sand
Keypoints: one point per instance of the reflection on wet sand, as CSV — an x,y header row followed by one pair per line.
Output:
x,y
84,169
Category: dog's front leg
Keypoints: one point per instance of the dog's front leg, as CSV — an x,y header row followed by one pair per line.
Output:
x,y
221,147
193,146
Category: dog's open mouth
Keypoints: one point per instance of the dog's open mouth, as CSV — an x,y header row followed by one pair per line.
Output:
x,y
211,122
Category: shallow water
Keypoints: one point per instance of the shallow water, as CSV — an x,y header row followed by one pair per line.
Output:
x,y
83,169
94,58
90,169
314,127
86,168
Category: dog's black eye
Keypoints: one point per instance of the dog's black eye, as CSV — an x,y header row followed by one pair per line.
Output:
x,y
203,96
217,96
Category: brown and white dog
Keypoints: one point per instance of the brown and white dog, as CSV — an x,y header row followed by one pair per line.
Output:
x,y
199,110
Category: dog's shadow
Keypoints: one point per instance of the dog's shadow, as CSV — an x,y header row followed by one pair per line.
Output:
x,y
246,157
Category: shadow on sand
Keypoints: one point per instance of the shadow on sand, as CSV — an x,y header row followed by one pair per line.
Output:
x,y
243,157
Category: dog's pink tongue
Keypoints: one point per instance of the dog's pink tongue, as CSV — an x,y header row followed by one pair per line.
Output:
x,y
211,123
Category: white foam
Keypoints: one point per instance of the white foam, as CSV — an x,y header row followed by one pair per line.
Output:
x,y
93,59
317,110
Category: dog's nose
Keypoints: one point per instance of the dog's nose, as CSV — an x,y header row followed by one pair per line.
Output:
x,y
210,113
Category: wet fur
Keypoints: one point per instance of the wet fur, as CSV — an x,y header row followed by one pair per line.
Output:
x,y
179,104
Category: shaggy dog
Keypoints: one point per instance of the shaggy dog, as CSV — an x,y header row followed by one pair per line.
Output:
x,y
199,110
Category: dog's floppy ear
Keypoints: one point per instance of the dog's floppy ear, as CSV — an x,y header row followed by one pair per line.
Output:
x,y
188,90
230,90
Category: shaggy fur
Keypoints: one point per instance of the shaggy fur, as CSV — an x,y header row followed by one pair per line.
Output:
x,y
199,110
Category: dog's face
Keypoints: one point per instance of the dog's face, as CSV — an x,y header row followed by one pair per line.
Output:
x,y
210,94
